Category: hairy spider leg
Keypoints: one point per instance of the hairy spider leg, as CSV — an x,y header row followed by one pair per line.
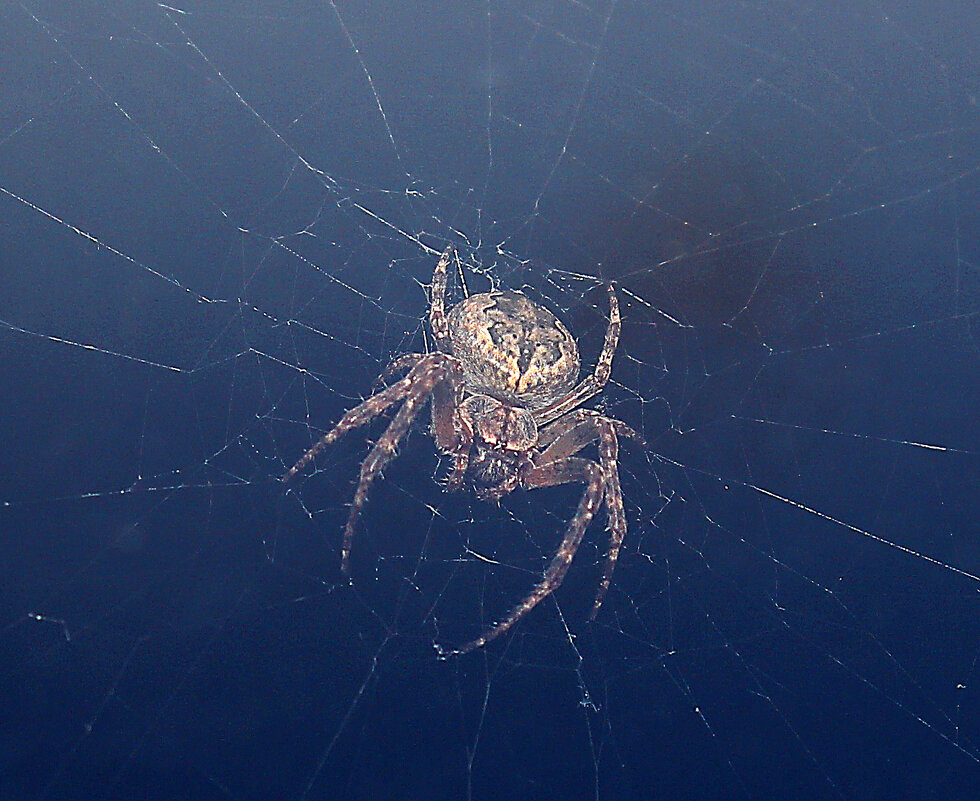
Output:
x,y
608,461
593,383
575,431
363,413
462,428
423,378
562,471
437,303
399,365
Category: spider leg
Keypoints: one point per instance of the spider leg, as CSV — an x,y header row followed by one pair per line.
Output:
x,y
399,365
446,399
361,414
593,383
608,461
452,430
568,436
461,455
437,304
421,381
561,471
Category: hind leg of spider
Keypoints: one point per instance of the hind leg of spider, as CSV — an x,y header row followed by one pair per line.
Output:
x,y
562,471
452,431
437,303
609,462
400,365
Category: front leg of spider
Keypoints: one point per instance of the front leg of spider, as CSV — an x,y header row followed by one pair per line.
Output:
x,y
429,373
562,471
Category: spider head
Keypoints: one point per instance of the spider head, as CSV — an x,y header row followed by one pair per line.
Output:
x,y
499,426
503,435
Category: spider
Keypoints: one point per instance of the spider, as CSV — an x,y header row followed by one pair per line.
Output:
x,y
505,409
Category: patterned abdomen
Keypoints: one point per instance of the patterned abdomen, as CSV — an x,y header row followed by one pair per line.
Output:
x,y
513,349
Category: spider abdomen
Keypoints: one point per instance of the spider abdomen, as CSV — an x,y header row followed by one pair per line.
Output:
x,y
513,349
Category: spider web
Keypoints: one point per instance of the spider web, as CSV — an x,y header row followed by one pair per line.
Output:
x,y
219,221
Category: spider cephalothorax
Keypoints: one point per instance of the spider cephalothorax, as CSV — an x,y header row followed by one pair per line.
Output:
x,y
505,408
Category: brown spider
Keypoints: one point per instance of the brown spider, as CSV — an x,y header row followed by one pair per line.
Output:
x,y
505,409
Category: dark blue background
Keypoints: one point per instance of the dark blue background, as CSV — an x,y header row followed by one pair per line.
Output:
x,y
215,230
